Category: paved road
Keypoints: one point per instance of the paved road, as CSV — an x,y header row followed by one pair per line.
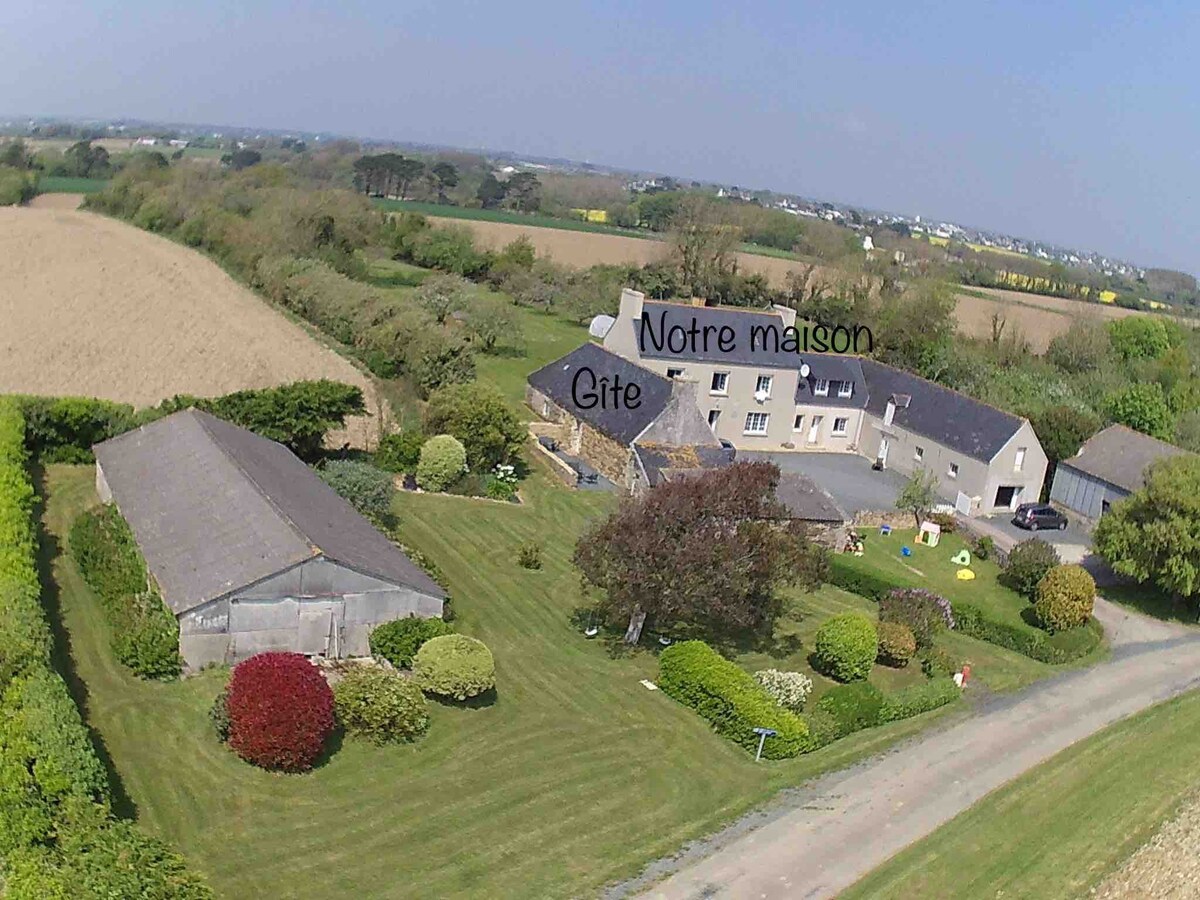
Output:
x,y
843,825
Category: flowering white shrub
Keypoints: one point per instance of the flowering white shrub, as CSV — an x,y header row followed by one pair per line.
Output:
x,y
505,473
790,689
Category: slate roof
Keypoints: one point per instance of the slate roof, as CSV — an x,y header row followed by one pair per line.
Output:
x,y
939,413
666,463
1120,455
621,423
833,367
808,501
215,508
665,315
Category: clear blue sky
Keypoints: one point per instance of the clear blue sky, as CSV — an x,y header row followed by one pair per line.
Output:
x,y
1071,122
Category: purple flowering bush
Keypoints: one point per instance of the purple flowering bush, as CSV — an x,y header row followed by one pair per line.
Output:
x,y
924,612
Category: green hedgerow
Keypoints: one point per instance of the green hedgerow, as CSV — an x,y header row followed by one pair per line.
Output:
x,y
853,706
456,666
369,489
694,674
1065,597
443,461
399,640
846,646
380,705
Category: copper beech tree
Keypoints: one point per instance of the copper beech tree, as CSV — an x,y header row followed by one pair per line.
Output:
x,y
710,549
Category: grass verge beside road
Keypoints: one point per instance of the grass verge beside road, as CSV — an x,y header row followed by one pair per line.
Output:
x,y
1060,828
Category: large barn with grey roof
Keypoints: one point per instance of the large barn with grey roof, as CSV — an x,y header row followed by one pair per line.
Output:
x,y
249,548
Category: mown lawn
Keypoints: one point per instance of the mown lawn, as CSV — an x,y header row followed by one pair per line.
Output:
x,y
930,567
1060,828
576,776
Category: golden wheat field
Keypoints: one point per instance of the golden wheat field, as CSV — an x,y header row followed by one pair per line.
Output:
x,y
583,249
1036,317
92,306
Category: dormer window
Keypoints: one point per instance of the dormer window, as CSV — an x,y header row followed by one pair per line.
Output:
x,y
821,388
889,412
845,388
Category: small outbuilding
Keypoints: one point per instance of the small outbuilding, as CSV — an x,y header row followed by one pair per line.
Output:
x,y
249,548
1109,466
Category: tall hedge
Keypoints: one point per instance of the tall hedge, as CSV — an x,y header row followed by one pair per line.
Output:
x,y
143,632
24,633
696,675
58,839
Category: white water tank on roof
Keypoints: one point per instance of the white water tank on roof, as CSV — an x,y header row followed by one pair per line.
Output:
x,y
600,326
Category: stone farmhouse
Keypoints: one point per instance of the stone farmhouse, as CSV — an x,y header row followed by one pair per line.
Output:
x,y
757,397
1109,467
249,548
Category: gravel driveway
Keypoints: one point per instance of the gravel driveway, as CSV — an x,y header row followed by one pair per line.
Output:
x,y
848,478
826,835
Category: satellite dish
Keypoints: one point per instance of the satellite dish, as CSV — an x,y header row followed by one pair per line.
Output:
x,y
804,370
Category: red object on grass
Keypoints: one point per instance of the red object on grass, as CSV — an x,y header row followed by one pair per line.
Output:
x,y
280,712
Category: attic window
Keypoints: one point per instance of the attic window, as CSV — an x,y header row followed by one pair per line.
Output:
x,y
674,373
845,388
821,388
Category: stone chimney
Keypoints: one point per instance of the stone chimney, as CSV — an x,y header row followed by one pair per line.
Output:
x,y
631,305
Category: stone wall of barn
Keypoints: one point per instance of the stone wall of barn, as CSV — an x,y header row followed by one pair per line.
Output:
x,y
318,608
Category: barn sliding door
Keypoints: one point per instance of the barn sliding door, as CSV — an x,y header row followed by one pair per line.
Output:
x,y
320,628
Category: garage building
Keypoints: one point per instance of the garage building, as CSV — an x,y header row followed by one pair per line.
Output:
x,y
249,548
1109,467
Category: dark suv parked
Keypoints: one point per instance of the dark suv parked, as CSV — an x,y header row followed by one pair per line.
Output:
x,y
1039,515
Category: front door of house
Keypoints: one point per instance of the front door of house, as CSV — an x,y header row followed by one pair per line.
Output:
x,y
814,429
881,459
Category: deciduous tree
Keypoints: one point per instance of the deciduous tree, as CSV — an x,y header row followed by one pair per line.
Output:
x,y
1154,534
704,550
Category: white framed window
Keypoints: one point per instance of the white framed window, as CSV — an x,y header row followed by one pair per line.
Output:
x,y
845,388
953,470
1019,462
763,384
919,454
821,388
798,422
756,423
840,424
674,373
713,415
720,383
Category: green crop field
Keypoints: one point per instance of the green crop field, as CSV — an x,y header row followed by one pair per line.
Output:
x,y
576,775
63,185
1059,829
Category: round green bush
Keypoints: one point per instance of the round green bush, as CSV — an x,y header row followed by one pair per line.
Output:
x,y
1028,564
380,705
399,452
939,662
853,706
398,641
455,665
897,646
1064,598
443,461
846,646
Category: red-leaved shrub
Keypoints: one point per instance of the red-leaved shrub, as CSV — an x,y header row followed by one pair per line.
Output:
x,y
280,711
